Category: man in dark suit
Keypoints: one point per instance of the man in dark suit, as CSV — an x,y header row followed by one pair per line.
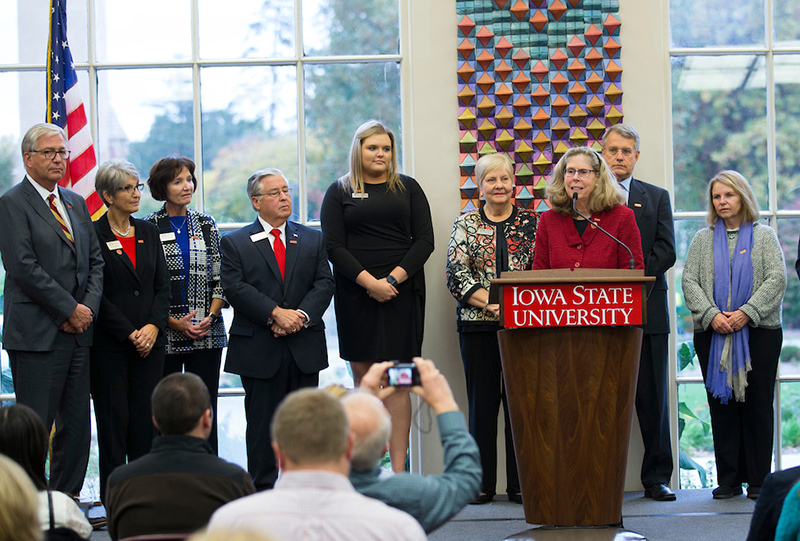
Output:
x,y
653,213
275,274
53,285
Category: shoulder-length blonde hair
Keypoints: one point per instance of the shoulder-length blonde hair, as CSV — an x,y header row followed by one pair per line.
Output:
x,y
354,179
737,182
19,503
604,196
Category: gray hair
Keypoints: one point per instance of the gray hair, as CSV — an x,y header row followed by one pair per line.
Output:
x,y
492,162
254,182
371,425
37,131
624,130
111,176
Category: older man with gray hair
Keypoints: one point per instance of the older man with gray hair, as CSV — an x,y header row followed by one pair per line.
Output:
x,y
432,499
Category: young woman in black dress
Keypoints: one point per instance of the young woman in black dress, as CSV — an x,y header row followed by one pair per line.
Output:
x,y
378,231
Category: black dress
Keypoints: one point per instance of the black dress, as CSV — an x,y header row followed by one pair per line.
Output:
x,y
378,233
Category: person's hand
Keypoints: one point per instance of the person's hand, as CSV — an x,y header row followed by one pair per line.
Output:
x,y
66,327
494,309
382,291
434,389
144,339
288,320
376,380
80,318
721,325
185,326
737,319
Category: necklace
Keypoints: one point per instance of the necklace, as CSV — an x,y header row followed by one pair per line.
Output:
x,y
118,232
178,227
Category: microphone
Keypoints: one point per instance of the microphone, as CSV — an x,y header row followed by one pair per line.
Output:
x,y
615,239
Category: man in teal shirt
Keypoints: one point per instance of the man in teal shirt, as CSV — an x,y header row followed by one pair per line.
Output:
x,y
431,499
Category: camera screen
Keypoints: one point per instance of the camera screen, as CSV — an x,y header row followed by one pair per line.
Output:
x,y
400,376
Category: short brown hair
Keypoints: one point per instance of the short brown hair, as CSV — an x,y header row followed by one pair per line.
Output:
x,y
179,401
737,182
310,427
164,171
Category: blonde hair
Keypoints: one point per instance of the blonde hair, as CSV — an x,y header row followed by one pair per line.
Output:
x,y
354,179
604,196
310,427
229,535
19,504
739,184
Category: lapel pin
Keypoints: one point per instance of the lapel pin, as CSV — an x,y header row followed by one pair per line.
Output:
x,y
119,252
292,242
141,241
637,204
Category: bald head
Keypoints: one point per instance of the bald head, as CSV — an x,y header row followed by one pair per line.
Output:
x,y
371,426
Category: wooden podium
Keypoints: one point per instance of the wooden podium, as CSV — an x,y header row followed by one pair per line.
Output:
x,y
570,355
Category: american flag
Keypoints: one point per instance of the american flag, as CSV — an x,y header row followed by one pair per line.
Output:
x,y
65,108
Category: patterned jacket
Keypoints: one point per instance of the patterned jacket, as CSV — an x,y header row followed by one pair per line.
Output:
x,y
204,282
475,245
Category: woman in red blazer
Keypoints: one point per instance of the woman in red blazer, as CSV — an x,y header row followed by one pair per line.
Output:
x,y
566,240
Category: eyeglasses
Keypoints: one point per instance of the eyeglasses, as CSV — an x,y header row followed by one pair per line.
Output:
x,y
627,152
50,154
579,172
272,194
133,188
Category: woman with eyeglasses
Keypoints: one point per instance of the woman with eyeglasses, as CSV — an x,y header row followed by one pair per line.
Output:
x,y
565,238
127,358
190,240
378,232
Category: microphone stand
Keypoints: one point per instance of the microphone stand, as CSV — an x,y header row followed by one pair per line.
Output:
x,y
575,209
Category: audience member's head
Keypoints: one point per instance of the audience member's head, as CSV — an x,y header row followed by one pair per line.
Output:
x,y
19,504
371,426
23,437
180,402
229,535
310,429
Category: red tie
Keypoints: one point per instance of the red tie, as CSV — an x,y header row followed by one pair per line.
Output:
x,y
59,218
280,250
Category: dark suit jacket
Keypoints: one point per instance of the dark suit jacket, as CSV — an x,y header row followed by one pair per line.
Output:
x,y
252,283
770,504
46,275
653,213
132,298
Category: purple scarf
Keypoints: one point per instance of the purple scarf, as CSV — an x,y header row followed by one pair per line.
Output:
x,y
729,360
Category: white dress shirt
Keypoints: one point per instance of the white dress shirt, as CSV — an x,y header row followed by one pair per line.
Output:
x,y
59,204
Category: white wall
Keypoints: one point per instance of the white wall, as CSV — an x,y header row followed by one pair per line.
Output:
x,y
433,139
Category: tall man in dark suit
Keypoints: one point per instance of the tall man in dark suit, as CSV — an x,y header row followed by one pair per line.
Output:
x,y
275,274
54,281
653,213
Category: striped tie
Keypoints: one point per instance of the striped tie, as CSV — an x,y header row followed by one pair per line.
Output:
x,y
52,199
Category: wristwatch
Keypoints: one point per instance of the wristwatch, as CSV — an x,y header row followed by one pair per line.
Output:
x,y
214,317
391,279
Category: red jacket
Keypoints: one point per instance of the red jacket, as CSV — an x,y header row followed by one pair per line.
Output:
x,y
558,245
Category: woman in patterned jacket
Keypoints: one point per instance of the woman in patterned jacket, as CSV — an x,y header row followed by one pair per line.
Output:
x,y
190,239
497,238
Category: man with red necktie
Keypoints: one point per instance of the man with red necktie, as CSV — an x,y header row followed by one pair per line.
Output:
x,y
275,274
53,286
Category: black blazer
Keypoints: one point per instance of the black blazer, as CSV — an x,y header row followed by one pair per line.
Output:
x,y
132,298
252,284
653,213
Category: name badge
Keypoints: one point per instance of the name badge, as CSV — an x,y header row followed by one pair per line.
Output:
x,y
485,231
166,237
114,245
360,195
259,236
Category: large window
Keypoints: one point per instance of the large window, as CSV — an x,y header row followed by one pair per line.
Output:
x,y
236,86
736,105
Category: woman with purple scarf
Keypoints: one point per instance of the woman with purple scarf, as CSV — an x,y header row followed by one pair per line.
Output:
x,y
733,283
